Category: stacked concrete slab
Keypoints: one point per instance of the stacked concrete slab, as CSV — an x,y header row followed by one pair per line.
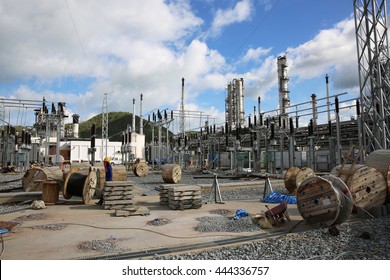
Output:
x,y
184,197
164,197
118,195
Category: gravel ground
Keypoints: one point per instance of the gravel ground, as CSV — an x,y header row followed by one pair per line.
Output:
x,y
103,246
159,222
364,239
225,224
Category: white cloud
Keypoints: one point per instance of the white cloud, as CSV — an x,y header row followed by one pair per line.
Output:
x,y
39,39
254,54
239,13
330,48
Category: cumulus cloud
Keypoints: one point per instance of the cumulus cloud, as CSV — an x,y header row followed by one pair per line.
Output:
x,y
254,54
239,13
39,39
335,46
126,47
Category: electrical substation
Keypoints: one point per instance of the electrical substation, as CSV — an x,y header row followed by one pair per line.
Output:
x,y
320,168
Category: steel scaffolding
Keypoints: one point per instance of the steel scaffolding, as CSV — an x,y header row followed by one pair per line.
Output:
x,y
374,75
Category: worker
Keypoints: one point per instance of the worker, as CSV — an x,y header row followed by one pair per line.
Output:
x,y
108,170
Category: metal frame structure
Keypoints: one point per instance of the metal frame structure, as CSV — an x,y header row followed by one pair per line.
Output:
x,y
374,75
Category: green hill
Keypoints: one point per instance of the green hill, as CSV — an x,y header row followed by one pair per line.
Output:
x,y
117,123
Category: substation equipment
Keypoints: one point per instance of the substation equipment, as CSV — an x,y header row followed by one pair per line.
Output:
x,y
17,148
274,141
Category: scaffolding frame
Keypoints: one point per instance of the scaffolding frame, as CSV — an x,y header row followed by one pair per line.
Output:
x,y
374,75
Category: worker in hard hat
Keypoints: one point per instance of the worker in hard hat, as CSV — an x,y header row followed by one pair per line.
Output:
x,y
108,169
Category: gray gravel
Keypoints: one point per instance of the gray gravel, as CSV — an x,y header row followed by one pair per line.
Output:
x,y
39,216
103,246
159,222
225,224
51,227
368,239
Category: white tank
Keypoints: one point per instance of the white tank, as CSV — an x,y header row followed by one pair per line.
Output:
x,y
284,99
240,112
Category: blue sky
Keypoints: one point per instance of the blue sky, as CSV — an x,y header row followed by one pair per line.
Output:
x,y
75,51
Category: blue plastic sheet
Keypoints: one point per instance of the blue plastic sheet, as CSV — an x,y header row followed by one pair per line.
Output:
x,y
275,197
240,213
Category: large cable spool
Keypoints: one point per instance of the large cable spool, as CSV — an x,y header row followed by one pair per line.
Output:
x,y
119,173
80,182
171,173
34,178
346,198
380,160
322,203
295,176
140,169
367,185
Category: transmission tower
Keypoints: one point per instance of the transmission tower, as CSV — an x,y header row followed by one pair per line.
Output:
x,y
104,127
374,75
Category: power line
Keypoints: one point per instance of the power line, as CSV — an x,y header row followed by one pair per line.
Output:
x,y
257,26
75,28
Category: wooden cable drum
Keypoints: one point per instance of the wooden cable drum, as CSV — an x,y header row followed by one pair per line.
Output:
x,y
295,176
346,198
289,179
119,173
319,202
344,171
34,177
171,173
367,185
140,169
380,160
80,182
50,191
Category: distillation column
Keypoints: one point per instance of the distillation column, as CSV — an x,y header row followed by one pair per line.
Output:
x,y
284,99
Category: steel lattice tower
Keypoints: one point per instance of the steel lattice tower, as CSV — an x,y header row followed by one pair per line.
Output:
x,y
374,75
104,127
